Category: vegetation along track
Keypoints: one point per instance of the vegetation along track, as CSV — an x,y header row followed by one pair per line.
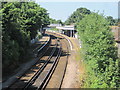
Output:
x,y
49,71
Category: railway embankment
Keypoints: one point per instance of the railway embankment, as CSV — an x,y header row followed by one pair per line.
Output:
x,y
8,80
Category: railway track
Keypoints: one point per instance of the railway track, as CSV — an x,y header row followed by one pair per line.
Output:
x,y
39,48
43,80
43,46
52,61
59,73
46,68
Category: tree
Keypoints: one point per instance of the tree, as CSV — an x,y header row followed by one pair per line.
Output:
x,y
110,20
20,22
77,15
54,21
59,22
99,52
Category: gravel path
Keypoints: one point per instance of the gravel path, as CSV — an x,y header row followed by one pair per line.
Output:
x,y
72,76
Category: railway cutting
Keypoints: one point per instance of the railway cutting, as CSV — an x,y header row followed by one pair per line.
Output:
x,y
50,68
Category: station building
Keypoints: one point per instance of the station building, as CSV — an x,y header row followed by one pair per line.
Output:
x,y
42,30
68,30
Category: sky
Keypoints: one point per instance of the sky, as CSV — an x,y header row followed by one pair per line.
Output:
x,y
62,10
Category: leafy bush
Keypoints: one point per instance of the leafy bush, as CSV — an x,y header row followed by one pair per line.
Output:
x,y
99,52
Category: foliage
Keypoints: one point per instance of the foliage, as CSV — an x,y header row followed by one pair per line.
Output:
x,y
99,52
54,29
111,20
77,16
54,21
20,22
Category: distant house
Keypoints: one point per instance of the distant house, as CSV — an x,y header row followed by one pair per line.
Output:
x,y
116,31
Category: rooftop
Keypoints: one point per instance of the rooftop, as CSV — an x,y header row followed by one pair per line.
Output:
x,y
116,31
67,27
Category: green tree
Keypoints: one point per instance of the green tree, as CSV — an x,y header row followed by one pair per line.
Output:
x,y
110,20
20,22
77,15
99,52
54,21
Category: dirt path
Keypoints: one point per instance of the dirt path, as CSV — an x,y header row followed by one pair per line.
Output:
x,y
72,76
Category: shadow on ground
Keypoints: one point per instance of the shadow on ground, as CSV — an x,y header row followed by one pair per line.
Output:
x,y
22,83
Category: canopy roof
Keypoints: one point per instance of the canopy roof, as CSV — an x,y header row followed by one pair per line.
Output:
x,y
66,27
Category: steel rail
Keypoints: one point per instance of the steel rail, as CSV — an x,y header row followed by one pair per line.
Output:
x,y
64,70
41,47
51,71
52,68
47,43
70,43
38,47
67,56
32,80
42,54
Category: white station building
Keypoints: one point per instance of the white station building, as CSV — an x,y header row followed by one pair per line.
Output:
x,y
68,30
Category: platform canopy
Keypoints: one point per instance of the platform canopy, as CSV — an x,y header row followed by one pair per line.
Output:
x,y
71,27
54,25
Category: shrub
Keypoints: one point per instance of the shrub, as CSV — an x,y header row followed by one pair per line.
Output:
x,y
99,51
